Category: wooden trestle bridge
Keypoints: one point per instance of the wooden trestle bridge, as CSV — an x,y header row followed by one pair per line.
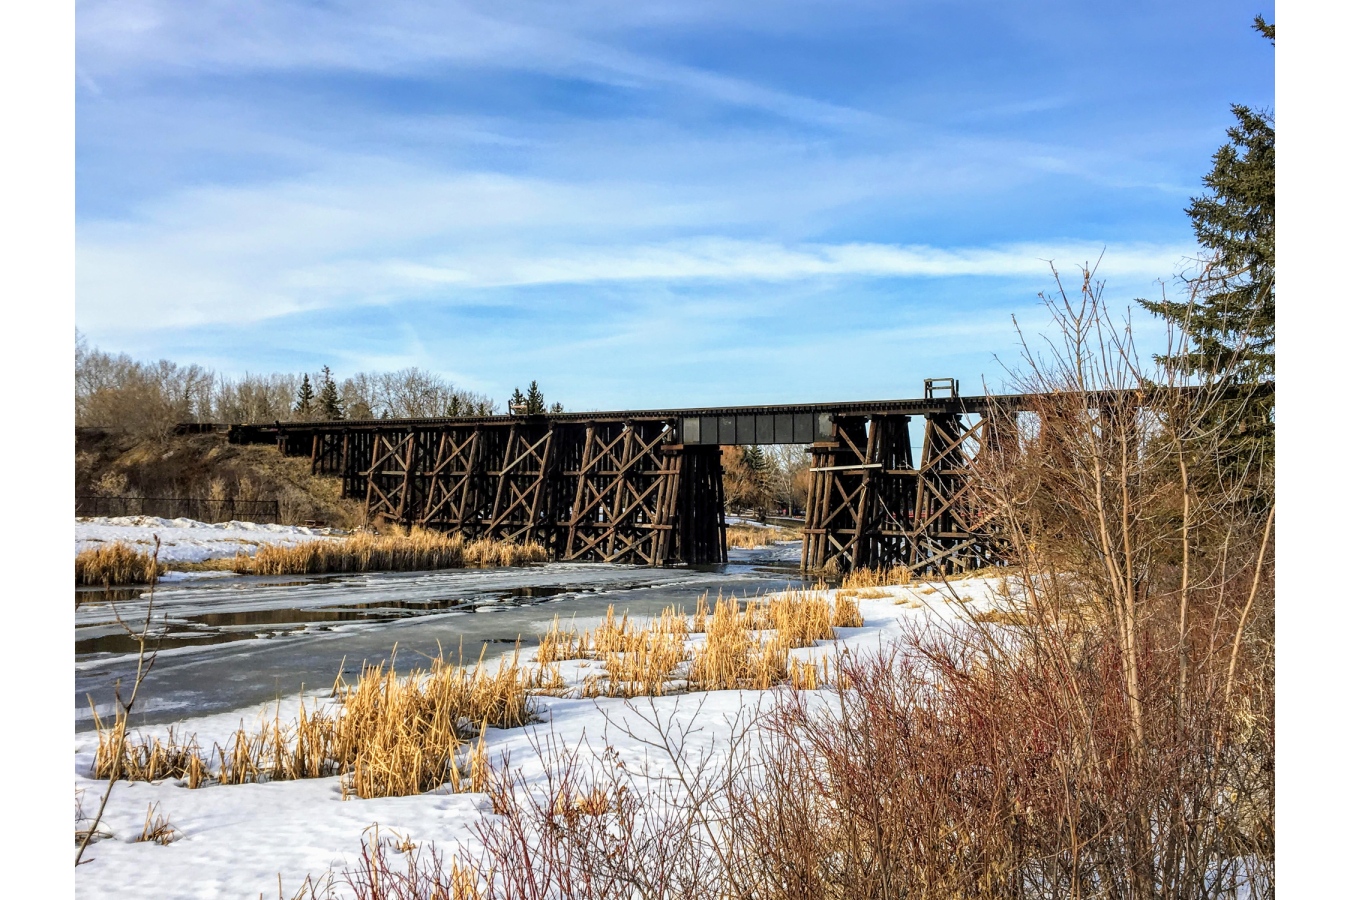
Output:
x,y
645,486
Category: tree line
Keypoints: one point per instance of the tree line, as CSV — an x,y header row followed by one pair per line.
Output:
x,y
766,481
113,390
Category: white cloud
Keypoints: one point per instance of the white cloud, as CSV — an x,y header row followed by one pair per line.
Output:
x,y
399,38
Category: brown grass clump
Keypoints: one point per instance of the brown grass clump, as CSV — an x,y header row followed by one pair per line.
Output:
x,y
157,828
731,658
637,660
864,593
642,668
1002,617
154,760
404,735
871,578
700,623
115,563
487,553
845,614
808,676
748,648
750,536
417,550
392,737
560,644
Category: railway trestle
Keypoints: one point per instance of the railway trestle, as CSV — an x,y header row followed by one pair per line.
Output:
x,y
645,487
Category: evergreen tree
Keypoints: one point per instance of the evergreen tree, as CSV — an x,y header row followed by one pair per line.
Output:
x,y
1229,319
534,400
517,406
304,399
555,408
757,478
754,459
330,405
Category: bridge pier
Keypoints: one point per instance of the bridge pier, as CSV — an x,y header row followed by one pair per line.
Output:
x,y
869,505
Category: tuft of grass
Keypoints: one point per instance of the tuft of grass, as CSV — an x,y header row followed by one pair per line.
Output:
x,y
864,593
642,667
157,828
751,536
732,657
1003,617
391,737
115,563
871,578
749,648
417,550
846,614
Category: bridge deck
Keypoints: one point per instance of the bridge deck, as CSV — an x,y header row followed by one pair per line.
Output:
x,y
789,423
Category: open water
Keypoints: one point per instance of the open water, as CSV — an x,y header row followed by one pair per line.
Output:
x,y
231,642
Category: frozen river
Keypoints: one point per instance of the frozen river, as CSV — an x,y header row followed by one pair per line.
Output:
x,y
232,642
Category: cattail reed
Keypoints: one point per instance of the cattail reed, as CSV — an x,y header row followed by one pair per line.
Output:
x,y
115,563
417,550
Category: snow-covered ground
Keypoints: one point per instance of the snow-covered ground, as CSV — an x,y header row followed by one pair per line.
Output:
x,y
190,541
236,840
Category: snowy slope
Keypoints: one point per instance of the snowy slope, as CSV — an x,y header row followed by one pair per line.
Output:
x,y
187,540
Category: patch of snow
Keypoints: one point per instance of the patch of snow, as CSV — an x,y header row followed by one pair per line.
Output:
x,y
237,839
190,541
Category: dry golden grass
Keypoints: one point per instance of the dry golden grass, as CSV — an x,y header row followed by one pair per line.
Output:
x,y
560,644
638,660
745,537
115,563
745,647
863,593
392,736
751,536
1002,617
748,648
157,828
846,614
152,760
732,656
642,667
393,552
700,623
870,578
809,676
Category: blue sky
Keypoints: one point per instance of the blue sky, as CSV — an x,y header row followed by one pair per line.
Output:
x,y
637,204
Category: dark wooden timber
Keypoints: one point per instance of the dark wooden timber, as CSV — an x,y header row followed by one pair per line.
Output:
x,y
645,486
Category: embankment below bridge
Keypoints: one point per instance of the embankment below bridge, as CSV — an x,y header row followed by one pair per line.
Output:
x,y
116,465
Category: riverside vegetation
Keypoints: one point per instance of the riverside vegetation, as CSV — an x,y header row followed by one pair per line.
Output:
x,y
395,551
395,736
